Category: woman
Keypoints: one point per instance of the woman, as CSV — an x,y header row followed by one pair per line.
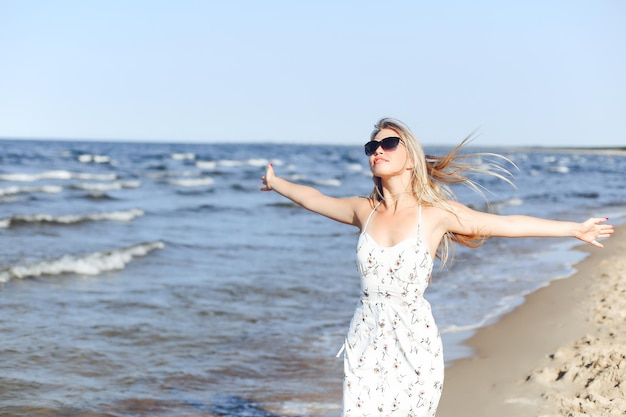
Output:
x,y
393,360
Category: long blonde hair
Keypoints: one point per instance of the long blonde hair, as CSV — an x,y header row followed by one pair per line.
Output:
x,y
431,176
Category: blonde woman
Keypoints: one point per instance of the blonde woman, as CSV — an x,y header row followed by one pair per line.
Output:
x,y
393,359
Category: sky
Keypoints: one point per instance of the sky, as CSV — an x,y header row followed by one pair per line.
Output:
x,y
520,73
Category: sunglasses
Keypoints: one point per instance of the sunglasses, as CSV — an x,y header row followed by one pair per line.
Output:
x,y
388,144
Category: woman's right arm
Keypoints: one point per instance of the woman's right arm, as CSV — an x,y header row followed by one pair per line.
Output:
x,y
344,210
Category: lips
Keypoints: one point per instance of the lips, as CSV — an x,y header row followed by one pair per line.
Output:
x,y
378,160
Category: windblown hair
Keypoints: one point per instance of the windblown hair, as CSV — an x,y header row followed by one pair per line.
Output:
x,y
431,176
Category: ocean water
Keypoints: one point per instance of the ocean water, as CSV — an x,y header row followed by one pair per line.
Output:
x,y
155,279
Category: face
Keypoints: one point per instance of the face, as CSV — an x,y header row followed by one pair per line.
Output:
x,y
388,162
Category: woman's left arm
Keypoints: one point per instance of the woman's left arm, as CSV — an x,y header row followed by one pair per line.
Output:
x,y
468,221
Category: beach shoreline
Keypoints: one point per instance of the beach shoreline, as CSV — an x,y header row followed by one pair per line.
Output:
x,y
557,354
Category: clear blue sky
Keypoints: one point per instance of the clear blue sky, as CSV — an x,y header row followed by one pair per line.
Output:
x,y
532,72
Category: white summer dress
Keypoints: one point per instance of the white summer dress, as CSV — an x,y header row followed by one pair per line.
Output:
x,y
393,360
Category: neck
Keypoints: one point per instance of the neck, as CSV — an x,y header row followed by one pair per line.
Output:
x,y
397,194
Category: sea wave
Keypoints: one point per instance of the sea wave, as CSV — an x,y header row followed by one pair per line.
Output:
x,y
91,264
183,156
98,195
231,163
331,182
499,206
56,175
192,182
354,167
258,162
206,164
122,216
94,158
9,199
49,189
561,169
161,175
295,177
117,185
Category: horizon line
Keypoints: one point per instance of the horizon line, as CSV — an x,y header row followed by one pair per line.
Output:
x,y
277,142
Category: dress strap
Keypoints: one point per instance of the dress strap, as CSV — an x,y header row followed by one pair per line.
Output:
x,y
367,222
419,217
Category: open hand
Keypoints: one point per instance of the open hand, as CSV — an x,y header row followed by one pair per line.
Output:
x,y
268,178
593,229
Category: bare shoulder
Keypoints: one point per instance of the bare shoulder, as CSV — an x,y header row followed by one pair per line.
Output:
x,y
363,206
448,215
464,220
448,209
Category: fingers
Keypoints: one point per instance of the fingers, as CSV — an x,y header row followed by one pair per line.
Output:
x,y
269,174
595,221
599,230
604,230
266,186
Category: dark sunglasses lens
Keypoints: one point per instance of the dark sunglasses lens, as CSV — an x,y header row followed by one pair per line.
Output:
x,y
370,147
388,144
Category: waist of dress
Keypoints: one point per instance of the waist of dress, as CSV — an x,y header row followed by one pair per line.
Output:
x,y
392,295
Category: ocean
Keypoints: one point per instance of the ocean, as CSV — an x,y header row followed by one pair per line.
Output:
x,y
157,280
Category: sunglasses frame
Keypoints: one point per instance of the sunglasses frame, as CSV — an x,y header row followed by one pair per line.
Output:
x,y
389,143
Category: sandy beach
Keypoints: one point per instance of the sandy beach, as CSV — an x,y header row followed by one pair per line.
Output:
x,y
561,353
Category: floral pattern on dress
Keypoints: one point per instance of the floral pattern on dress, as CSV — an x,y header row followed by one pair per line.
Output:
x,y
393,361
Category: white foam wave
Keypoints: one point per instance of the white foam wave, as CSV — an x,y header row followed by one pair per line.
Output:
x,y
328,183
354,167
183,156
254,162
511,202
97,159
505,305
9,199
295,177
56,175
92,264
94,177
49,189
258,162
459,329
192,182
206,164
230,163
561,169
120,216
161,175
117,185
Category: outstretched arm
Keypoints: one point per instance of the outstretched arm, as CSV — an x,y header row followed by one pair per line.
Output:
x,y
343,210
468,221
